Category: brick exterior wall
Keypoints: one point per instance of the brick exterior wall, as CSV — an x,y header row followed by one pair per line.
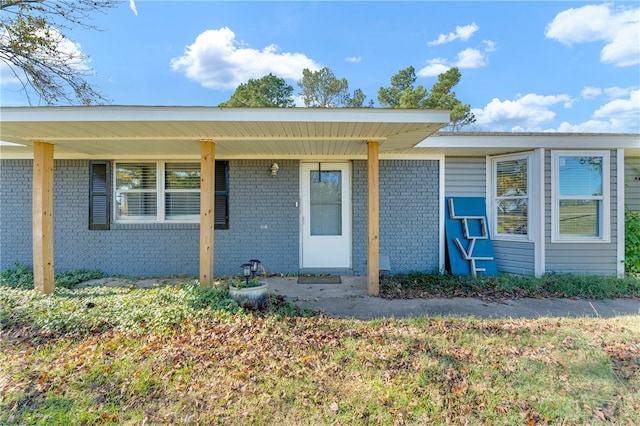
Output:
x,y
409,207
16,242
263,218
263,222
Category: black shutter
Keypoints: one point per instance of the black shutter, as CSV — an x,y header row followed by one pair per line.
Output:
x,y
99,195
221,214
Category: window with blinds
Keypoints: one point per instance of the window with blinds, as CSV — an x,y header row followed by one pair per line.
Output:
x,y
166,192
511,195
182,191
136,191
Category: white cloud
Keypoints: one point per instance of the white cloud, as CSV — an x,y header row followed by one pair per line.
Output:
x,y
354,59
621,109
617,27
471,58
434,67
132,6
217,61
610,93
591,92
462,33
620,114
619,92
466,59
490,46
535,113
530,112
71,52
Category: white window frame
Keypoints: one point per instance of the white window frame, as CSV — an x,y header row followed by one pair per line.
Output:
x,y
493,196
160,193
604,224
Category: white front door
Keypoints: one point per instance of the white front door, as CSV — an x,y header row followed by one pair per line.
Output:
x,y
326,215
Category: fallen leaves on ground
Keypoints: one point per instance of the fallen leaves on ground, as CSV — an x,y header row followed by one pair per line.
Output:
x,y
253,369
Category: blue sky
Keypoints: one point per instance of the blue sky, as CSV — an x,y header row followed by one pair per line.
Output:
x,y
526,66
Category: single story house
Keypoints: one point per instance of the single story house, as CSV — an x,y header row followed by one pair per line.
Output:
x,y
149,191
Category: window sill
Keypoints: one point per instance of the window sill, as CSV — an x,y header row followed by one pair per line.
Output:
x,y
153,226
580,240
515,238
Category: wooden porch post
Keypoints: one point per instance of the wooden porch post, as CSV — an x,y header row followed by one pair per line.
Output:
x,y
373,221
207,209
42,217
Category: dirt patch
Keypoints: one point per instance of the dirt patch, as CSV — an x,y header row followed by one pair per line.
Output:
x,y
137,282
319,279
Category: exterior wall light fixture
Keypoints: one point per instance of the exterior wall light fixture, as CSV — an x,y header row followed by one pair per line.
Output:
x,y
274,169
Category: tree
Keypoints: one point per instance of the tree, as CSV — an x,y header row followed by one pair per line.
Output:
x,y
268,91
357,100
441,97
36,50
322,89
402,94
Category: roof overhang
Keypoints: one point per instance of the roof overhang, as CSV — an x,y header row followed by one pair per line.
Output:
x,y
147,132
474,144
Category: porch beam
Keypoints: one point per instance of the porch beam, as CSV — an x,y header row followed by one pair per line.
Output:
x,y
207,210
373,219
42,218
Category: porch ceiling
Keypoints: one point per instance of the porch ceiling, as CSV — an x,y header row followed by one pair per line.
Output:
x,y
136,131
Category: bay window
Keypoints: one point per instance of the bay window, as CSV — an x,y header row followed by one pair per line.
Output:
x,y
511,195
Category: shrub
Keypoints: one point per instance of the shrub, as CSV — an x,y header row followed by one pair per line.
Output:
x,y
632,242
22,277
417,284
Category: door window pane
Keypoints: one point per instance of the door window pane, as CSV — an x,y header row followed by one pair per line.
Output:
x,y
326,202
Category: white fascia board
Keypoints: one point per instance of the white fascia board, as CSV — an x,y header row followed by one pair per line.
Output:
x,y
543,140
165,113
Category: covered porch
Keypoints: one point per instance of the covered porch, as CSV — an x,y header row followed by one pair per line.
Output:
x,y
205,134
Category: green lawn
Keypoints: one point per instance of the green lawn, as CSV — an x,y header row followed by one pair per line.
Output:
x,y
187,355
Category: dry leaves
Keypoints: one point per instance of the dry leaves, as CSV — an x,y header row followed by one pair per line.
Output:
x,y
260,370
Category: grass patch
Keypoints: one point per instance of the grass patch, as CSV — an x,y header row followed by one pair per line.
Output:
x,y
187,354
249,369
414,285
21,277
89,310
